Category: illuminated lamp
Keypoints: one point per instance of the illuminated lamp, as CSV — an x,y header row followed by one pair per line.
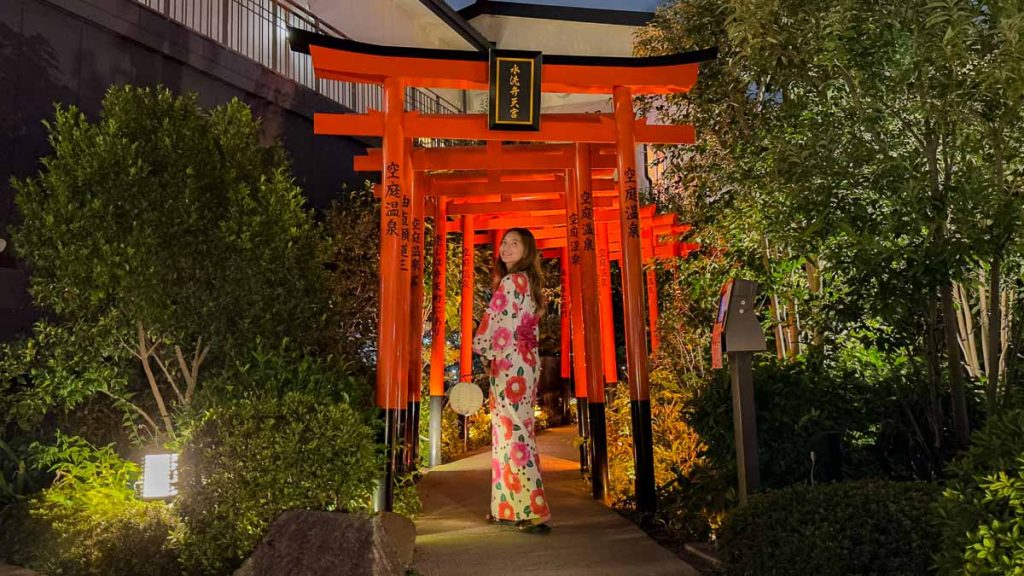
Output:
x,y
159,476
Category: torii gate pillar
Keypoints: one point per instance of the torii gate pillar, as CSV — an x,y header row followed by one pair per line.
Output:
x,y
633,302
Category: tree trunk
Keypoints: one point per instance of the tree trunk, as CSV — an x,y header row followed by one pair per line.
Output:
x,y
792,329
995,325
1011,342
983,304
144,353
961,427
965,320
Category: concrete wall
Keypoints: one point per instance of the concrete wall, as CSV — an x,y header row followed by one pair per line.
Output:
x,y
71,51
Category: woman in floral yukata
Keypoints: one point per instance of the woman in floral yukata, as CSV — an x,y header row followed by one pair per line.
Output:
x,y
507,337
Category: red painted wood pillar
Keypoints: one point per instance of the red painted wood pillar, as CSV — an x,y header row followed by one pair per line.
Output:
x,y
390,376
403,348
466,337
439,287
604,279
652,291
574,311
584,199
564,334
633,304
412,419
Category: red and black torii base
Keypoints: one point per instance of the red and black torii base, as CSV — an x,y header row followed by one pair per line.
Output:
x,y
403,208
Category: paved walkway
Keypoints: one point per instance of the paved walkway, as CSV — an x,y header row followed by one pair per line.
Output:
x,y
587,538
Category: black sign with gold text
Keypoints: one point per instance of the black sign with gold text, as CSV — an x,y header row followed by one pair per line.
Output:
x,y
515,90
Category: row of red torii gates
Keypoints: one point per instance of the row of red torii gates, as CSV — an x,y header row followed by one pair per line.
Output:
x,y
569,194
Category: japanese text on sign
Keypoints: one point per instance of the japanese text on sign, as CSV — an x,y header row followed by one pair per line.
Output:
x,y
515,84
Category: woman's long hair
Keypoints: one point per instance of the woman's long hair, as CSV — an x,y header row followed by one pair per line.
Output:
x,y
529,264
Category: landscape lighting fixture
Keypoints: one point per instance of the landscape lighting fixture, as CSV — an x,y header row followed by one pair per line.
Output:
x,y
159,476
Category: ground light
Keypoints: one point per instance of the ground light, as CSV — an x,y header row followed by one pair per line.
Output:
x,y
159,476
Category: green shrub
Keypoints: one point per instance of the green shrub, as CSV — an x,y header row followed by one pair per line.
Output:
x,y
982,507
796,403
833,530
247,462
693,493
89,521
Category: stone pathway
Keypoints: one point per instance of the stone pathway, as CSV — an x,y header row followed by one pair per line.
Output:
x,y
587,538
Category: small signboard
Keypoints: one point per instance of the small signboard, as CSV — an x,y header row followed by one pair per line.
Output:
x,y
514,90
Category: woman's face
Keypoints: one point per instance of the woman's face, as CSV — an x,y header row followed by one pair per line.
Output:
x,y
511,250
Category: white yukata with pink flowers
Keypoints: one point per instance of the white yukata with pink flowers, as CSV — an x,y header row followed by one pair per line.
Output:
x,y
507,336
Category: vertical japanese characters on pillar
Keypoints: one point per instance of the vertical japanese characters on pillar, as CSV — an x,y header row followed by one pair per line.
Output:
x,y
652,287
392,198
565,343
632,204
468,254
438,290
573,249
416,286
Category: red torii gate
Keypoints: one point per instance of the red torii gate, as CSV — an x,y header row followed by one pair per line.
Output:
x,y
512,170
403,203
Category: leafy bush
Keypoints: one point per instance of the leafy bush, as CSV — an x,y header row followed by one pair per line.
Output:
x,y
833,530
693,492
165,237
89,521
796,404
247,462
274,371
982,507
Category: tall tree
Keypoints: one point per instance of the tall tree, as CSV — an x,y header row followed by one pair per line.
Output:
x,y
173,237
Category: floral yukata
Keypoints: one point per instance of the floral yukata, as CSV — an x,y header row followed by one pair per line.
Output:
x,y
507,336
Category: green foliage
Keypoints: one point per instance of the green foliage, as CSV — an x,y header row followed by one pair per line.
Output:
x,y
407,496
693,492
982,507
353,229
59,369
455,442
267,371
246,462
17,475
833,530
155,235
796,404
89,521
173,216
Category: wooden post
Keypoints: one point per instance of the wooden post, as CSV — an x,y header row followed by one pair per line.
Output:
x,y
584,200
571,265
389,369
466,348
415,385
604,279
632,300
652,291
564,336
438,328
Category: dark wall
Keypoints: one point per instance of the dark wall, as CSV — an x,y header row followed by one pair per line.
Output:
x,y
71,51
